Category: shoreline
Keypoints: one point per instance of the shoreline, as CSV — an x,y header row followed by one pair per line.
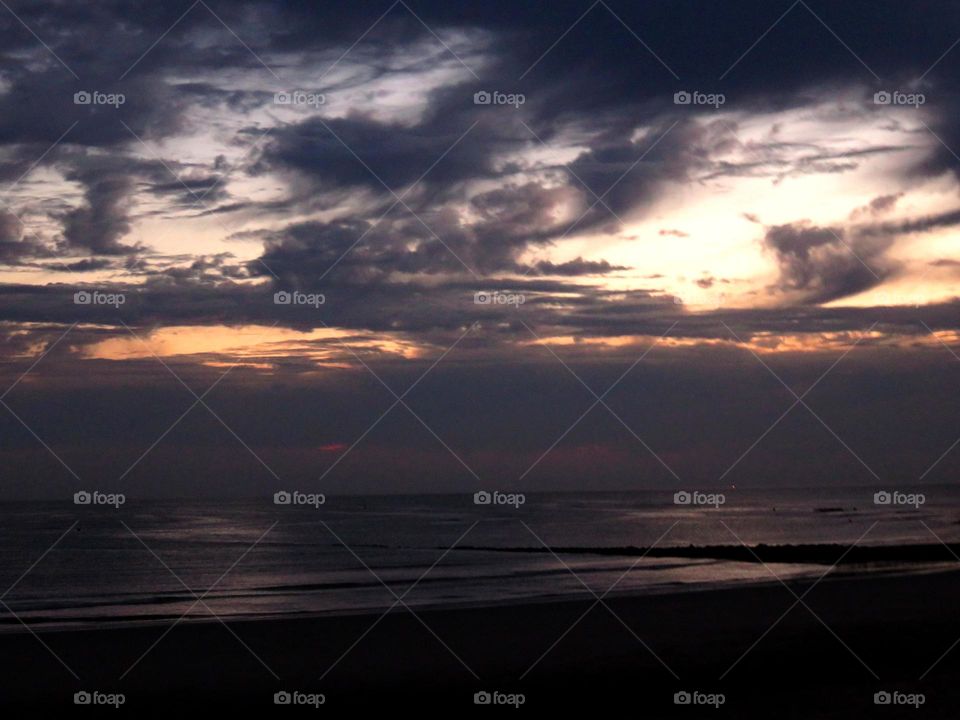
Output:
x,y
893,626
12,626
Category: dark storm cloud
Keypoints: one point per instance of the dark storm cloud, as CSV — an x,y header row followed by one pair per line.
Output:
x,y
604,89
579,266
631,170
40,108
437,312
829,263
628,172
85,265
579,82
102,221
14,247
391,154
306,251
514,218
821,264
947,219
511,220
110,183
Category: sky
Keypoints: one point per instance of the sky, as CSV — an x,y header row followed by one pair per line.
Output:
x,y
439,246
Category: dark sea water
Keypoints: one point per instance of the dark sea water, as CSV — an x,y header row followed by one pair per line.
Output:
x,y
136,563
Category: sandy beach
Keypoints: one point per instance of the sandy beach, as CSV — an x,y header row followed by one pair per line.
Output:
x,y
849,639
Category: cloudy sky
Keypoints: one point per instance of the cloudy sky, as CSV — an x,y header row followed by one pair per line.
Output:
x,y
526,245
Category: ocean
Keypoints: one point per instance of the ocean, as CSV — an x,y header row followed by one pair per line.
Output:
x,y
256,559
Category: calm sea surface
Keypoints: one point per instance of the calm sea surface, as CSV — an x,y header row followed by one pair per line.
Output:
x,y
136,563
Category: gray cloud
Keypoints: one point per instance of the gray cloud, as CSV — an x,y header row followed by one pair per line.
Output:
x,y
103,220
819,264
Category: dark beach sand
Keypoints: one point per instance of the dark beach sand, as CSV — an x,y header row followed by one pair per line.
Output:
x,y
898,626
